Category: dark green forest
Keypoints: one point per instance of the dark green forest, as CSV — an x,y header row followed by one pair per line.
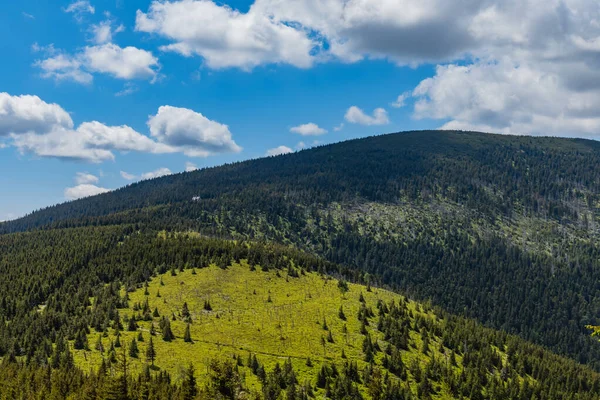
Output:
x,y
80,271
497,229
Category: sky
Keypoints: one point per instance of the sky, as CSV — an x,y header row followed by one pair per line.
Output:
x,y
98,94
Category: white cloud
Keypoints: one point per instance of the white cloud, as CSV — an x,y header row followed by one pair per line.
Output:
x,y
401,100
191,132
103,32
85,190
46,130
355,115
302,32
128,89
61,143
8,217
507,98
86,186
555,41
127,176
122,63
300,146
63,67
190,166
156,174
21,114
27,15
147,175
90,142
339,127
79,9
47,50
279,150
225,37
309,129
83,178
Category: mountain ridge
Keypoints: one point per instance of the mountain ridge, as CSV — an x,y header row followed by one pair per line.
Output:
x,y
503,229
20,224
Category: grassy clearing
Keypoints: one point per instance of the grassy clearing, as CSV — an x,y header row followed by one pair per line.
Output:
x,y
266,313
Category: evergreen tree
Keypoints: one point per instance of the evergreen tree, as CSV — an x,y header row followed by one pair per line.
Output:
x,y
185,312
167,333
188,336
189,386
133,349
150,352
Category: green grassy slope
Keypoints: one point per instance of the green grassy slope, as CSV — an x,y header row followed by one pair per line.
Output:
x,y
281,315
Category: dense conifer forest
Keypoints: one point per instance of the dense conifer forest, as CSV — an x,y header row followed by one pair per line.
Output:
x,y
490,229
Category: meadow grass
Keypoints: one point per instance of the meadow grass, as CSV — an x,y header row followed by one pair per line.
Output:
x,y
265,313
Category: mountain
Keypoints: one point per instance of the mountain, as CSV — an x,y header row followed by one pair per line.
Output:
x,y
497,229
137,314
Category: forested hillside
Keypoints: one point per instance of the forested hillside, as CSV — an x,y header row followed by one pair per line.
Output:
x,y
141,314
498,228
501,229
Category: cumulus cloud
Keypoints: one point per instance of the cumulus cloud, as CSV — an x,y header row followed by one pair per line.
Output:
x,y
190,166
309,129
122,63
225,37
355,115
90,142
46,130
535,71
401,100
302,32
83,178
156,174
507,98
279,150
146,175
191,132
62,67
127,176
103,32
86,186
21,114
85,190
556,42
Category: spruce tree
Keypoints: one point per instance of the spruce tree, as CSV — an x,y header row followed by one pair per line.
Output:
x,y
99,346
185,312
167,333
132,325
151,352
133,349
188,336
189,386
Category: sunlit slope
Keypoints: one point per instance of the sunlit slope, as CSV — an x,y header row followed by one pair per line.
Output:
x,y
281,315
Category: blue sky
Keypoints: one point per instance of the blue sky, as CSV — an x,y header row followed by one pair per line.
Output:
x,y
98,94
